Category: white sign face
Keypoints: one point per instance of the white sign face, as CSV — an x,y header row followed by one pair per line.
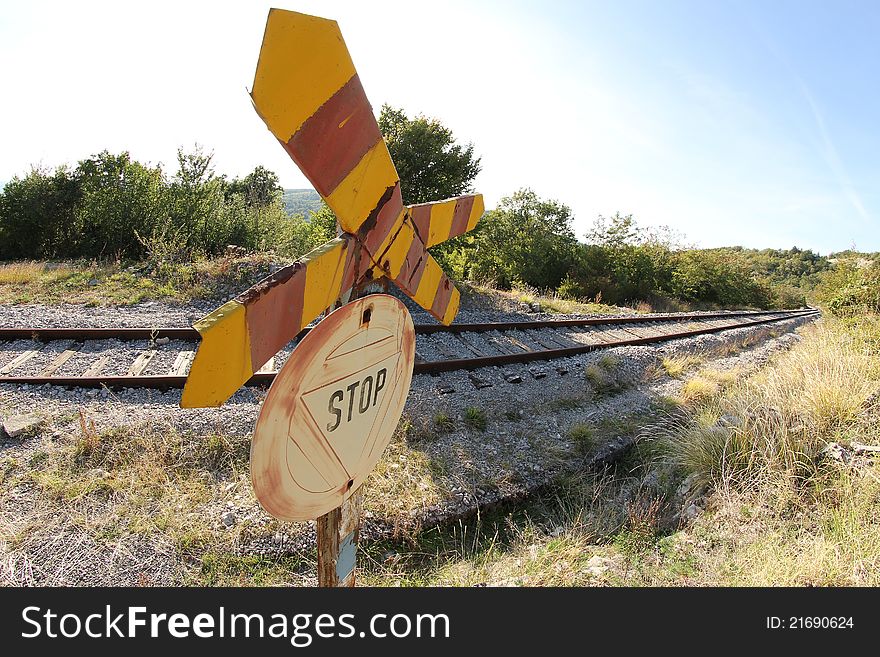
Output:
x,y
333,408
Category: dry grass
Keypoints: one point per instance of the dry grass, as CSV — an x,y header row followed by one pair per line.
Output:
x,y
403,480
135,506
30,272
113,283
778,420
558,305
145,505
827,543
675,366
551,545
698,390
778,513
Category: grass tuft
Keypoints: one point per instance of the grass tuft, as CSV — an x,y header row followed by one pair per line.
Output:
x,y
675,366
444,423
475,418
583,437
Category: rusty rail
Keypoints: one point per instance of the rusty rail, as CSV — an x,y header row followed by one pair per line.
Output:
x,y
191,335
164,382
435,367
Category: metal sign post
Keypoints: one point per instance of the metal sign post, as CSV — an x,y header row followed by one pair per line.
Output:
x,y
338,533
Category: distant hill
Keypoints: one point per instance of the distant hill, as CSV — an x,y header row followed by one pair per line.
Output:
x,y
301,201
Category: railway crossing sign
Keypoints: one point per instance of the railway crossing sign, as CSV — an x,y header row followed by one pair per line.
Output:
x,y
308,93
332,410
333,407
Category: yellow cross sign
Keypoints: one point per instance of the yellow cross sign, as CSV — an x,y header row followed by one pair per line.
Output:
x,y
308,92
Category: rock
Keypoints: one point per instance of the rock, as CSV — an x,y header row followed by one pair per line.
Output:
x,y
228,519
651,480
19,425
512,377
161,341
93,281
687,485
99,473
597,565
691,512
836,451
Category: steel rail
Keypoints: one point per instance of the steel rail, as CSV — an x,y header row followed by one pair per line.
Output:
x,y
191,335
434,367
164,382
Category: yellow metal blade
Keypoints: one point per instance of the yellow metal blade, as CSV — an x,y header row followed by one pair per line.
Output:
x,y
223,361
239,337
442,220
307,91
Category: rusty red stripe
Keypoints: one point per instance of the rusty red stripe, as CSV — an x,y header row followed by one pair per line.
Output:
x,y
421,216
413,267
460,215
441,299
334,139
357,262
374,232
273,318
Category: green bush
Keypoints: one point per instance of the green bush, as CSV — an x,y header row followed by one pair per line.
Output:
x,y
37,217
112,206
860,294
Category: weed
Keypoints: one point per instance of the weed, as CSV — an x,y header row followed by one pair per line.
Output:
x,y
224,569
566,403
675,366
475,418
582,436
444,423
37,458
639,535
698,390
602,377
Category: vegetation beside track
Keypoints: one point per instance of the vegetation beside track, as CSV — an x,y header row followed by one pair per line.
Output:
x,y
114,230
760,482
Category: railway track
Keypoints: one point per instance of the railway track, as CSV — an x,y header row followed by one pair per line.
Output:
x,y
160,357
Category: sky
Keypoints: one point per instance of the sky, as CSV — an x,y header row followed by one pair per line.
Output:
x,y
732,122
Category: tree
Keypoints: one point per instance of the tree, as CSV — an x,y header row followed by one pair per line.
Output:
x,y
122,199
37,217
431,165
324,223
634,262
524,240
259,188
197,194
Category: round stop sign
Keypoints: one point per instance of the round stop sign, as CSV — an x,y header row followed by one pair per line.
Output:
x,y
333,408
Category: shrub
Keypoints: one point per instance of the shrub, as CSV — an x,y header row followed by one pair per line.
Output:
x,y
112,206
37,217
